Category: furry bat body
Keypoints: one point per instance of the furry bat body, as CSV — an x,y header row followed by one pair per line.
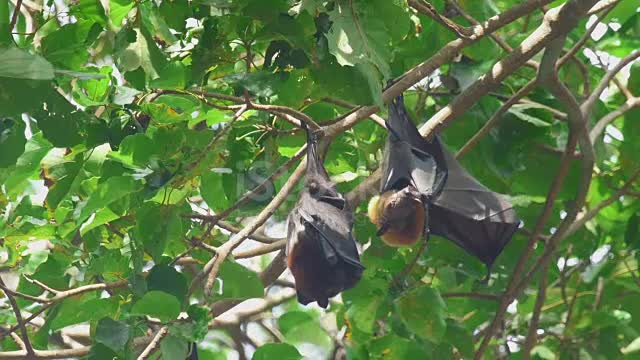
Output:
x,y
321,250
425,190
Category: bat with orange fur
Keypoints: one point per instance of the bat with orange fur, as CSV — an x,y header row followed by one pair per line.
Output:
x,y
425,190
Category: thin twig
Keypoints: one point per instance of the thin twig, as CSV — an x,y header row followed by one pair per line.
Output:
x,y
426,8
14,17
154,344
532,334
16,310
588,104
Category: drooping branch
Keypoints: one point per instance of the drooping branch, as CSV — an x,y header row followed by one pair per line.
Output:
x,y
601,124
548,75
588,104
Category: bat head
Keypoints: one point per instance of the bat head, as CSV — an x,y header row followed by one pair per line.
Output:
x,y
399,215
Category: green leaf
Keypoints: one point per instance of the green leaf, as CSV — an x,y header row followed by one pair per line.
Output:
x,y
279,351
141,53
113,189
19,64
103,216
459,337
67,46
289,320
543,352
359,36
237,282
157,225
633,346
212,190
76,310
154,23
113,334
36,258
172,76
528,118
157,304
164,114
632,232
28,163
394,347
119,9
90,10
424,312
166,278
173,347
12,141
5,31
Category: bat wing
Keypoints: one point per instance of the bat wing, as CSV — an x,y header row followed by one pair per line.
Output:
x,y
338,242
477,219
409,158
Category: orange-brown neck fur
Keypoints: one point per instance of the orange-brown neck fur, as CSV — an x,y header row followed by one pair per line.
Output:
x,y
402,215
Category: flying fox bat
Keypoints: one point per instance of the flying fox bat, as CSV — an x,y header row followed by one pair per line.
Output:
x,y
321,251
425,190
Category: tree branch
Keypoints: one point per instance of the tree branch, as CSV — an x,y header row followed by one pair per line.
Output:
x,y
154,344
601,124
16,310
567,15
588,104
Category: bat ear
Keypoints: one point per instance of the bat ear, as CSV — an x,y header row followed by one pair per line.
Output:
x,y
323,302
302,299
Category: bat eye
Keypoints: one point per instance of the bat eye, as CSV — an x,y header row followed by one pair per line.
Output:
x,y
313,187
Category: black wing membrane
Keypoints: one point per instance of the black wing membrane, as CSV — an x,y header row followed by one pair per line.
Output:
x,y
337,241
409,158
477,219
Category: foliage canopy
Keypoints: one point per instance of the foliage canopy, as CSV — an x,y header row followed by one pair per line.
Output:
x,y
140,139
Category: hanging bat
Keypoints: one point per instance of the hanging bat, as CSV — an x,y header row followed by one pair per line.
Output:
x,y
425,190
321,251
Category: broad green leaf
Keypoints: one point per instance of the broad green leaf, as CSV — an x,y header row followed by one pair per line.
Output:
x,y
12,141
19,64
113,334
103,216
633,346
166,278
528,118
111,190
279,351
5,32
119,10
90,10
211,188
67,47
394,347
164,114
76,310
154,23
157,225
237,282
141,53
173,347
157,304
543,352
424,312
36,258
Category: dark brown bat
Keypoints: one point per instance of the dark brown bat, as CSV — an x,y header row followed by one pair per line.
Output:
x,y
321,250
425,190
